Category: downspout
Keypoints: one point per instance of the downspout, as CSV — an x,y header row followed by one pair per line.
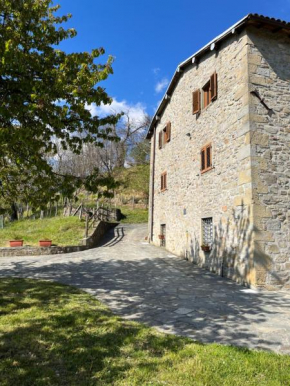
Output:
x,y
152,187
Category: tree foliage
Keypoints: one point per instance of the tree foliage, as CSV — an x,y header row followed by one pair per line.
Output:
x,y
44,94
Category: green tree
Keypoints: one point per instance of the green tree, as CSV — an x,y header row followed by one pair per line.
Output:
x,y
140,153
44,94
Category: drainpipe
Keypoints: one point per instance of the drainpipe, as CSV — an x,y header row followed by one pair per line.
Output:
x,y
152,187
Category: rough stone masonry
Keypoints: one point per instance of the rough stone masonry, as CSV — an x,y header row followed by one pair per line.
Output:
x,y
245,194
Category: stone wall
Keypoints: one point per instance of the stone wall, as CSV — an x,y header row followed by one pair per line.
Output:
x,y
269,76
247,191
93,241
223,193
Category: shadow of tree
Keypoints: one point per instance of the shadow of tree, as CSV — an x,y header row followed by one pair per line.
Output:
x,y
58,335
234,253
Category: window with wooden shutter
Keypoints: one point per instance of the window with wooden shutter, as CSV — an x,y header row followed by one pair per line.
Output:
x,y
168,131
206,158
160,140
163,181
206,94
213,86
196,102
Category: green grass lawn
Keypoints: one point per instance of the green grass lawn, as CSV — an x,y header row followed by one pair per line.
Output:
x,y
134,216
61,230
52,334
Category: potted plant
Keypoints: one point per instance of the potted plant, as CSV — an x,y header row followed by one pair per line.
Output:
x,y
161,237
205,247
45,242
16,242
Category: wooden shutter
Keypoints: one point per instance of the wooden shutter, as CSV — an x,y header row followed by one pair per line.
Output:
x,y
164,181
196,102
213,86
160,140
202,159
208,157
168,131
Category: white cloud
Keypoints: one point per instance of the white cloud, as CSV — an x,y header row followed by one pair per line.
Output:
x,y
156,70
161,85
135,112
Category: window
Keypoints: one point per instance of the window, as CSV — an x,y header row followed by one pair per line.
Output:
x,y
208,94
163,181
206,158
164,135
207,231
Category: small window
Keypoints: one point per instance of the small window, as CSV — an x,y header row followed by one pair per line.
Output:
x,y
207,231
164,135
206,158
209,91
206,94
163,181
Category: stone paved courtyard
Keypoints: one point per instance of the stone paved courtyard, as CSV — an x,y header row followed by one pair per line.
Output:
x,y
141,282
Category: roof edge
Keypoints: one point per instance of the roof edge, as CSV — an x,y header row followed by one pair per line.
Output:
x,y
237,27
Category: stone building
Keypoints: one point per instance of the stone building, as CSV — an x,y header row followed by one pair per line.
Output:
x,y
220,156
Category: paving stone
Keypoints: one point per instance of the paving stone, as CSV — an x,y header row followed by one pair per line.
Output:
x,y
139,282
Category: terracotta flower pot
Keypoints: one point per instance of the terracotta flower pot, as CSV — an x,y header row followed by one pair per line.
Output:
x,y
205,248
45,243
161,237
16,243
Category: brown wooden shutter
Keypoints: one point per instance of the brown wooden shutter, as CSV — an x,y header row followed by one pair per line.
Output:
x,y
168,131
208,156
160,140
202,160
196,102
213,86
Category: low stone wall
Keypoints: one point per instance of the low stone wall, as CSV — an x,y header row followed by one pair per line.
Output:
x,y
36,251
91,242
101,229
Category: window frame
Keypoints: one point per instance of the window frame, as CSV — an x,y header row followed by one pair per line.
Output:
x,y
164,135
163,185
206,95
206,166
205,221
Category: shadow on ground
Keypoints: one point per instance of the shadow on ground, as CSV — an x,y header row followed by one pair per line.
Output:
x,y
173,295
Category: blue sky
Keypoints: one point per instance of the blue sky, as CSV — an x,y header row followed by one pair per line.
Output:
x,y
148,38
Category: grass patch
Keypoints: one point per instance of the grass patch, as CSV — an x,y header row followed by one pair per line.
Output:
x,y
51,334
134,216
61,230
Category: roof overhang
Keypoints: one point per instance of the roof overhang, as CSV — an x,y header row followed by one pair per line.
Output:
x,y
259,21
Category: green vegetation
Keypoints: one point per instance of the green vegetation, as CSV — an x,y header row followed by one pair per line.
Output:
x,y
47,92
52,334
133,181
61,230
134,216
